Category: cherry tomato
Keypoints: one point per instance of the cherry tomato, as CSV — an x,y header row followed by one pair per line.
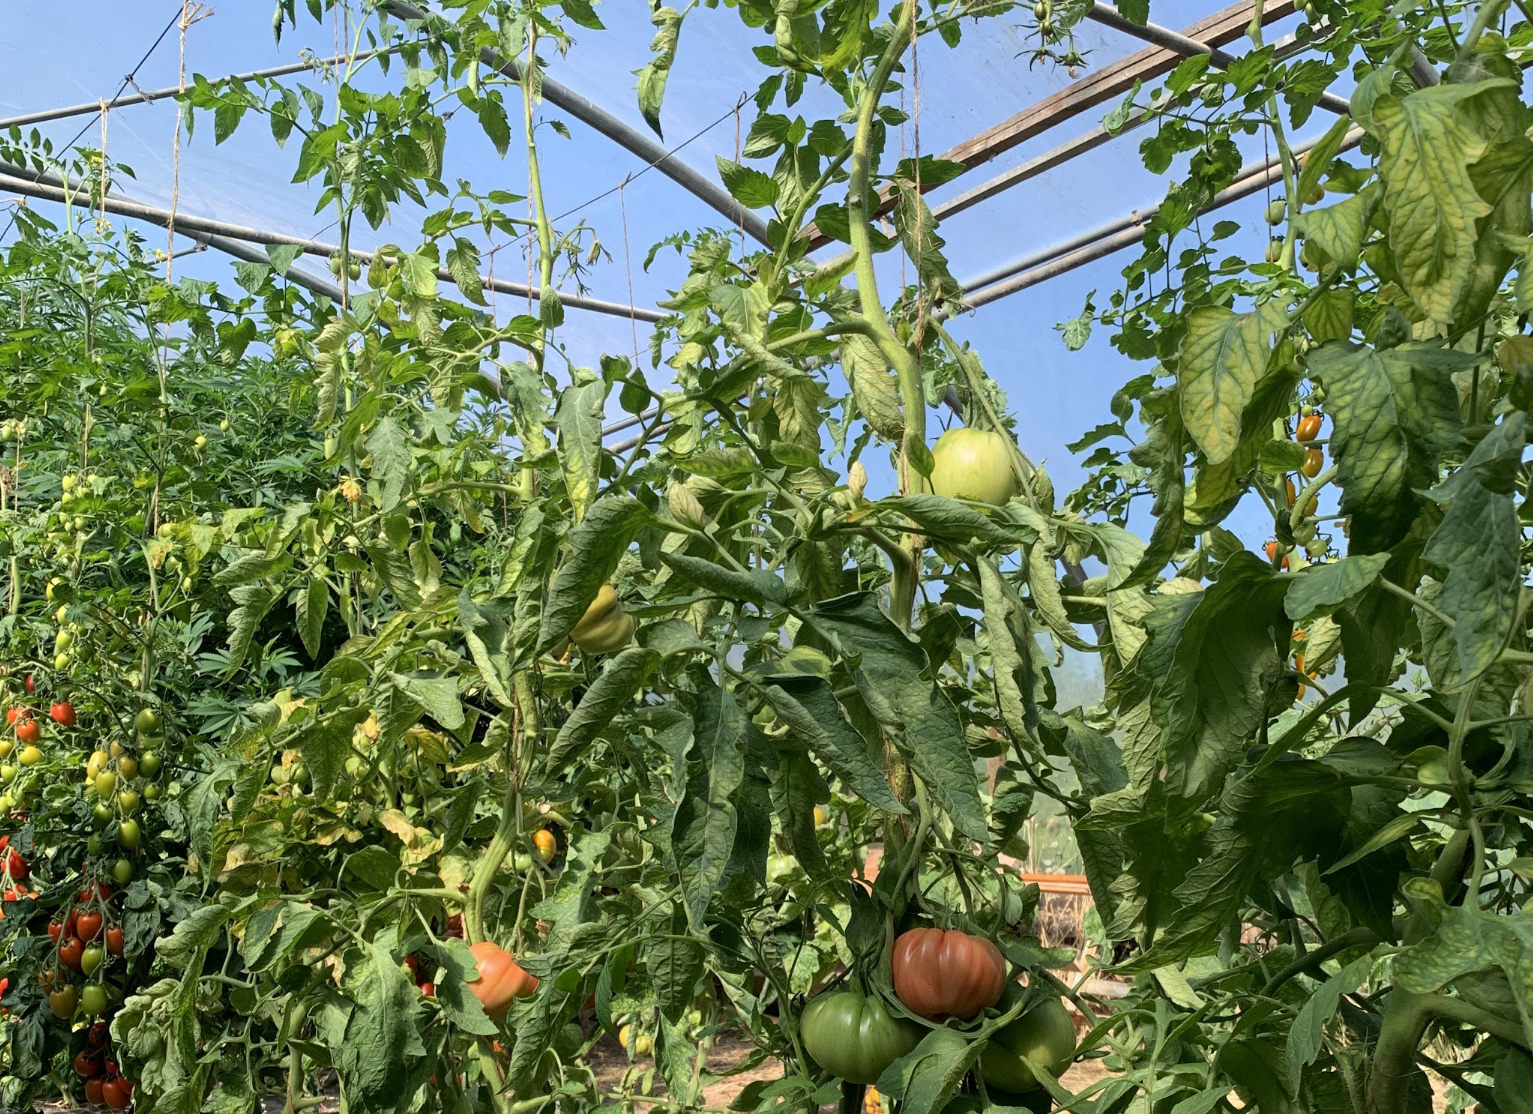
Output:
x,y
98,1034
15,713
55,930
95,1092
147,722
86,1064
149,765
129,835
127,766
92,959
114,939
63,1002
88,925
1314,460
63,713
70,952
122,872
1309,427
93,1000
118,1093
544,845
30,684
29,756
428,989
29,731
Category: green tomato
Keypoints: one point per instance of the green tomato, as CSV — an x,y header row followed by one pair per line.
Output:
x,y
122,872
300,775
605,628
854,1037
521,862
63,641
106,784
129,835
147,722
93,846
149,764
1042,1039
8,773
977,464
279,774
93,1000
91,959
127,802
152,791
102,814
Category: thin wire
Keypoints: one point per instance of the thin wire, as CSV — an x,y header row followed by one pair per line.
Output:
x,y
128,80
633,322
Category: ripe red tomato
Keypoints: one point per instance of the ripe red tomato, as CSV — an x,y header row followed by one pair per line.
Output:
x,y
70,952
947,974
1309,427
118,1093
87,1065
28,731
500,980
14,713
98,1034
30,684
63,713
95,1091
428,989
88,925
114,939
100,891
13,865
55,930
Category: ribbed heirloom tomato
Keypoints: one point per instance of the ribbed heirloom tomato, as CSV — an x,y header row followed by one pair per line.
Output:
x,y
974,464
501,979
855,1037
605,627
947,974
1042,1039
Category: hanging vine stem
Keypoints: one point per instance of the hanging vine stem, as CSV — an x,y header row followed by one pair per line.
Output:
x,y
908,370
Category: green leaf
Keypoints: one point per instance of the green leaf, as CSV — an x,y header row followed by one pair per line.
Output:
x,y
583,14
456,968
923,1080
596,545
1395,412
703,829
1427,145
437,695
917,228
748,186
1223,355
578,418
203,928
1329,317
796,787
918,716
674,963
389,446
608,695
1011,652
380,1035
1324,586
253,602
652,78
463,265
1320,155
325,746
809,709
1397,828
251,567
1307,1036
756,586
1479,543
313,603
874,386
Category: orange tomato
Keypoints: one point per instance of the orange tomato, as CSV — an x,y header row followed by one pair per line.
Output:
x,y
947,974
1314,460
1309,427
501,979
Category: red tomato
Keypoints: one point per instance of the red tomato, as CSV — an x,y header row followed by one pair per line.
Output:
x,y
88,925
428,989
70,952
98,1034
118,1093
947,974
13,714
100,891
13,865
500,980
114,939
30,684
55,930
87,1065
28,731
63,713
94,1089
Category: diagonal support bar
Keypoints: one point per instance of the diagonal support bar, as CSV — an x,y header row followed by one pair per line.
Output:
x,y
633,140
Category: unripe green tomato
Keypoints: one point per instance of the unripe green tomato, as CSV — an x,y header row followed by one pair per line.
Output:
x,y
147,722
8,773
91,959
970,463
29,756
152,791
1304,533
102,815
127,802
61,662
106,784
1276,211
63,641
605,627
200,442
93,1000
128,835
122,872
93,846
279,774
1317,546
854,1037
300,776
127,767
1042,1039
149,765
1274,251
521,862
7,802
61,612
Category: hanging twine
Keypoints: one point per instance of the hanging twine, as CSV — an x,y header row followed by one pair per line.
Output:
x,y
633,324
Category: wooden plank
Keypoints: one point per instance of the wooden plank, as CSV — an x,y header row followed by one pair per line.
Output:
x,y
1059,883
1110,81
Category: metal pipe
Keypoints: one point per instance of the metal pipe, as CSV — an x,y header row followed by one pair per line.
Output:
x,y
633,140
1109,16
19,179
145,97
1070,254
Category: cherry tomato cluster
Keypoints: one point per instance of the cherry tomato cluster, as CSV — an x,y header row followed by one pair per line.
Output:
x,y
105,1085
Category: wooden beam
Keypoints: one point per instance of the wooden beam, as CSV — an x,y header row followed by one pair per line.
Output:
x,y
1094,89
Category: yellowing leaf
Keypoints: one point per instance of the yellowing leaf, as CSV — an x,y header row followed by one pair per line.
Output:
x,y
1223,356
1428,146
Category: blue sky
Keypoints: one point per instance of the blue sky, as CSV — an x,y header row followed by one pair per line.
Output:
x,y
1055,394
